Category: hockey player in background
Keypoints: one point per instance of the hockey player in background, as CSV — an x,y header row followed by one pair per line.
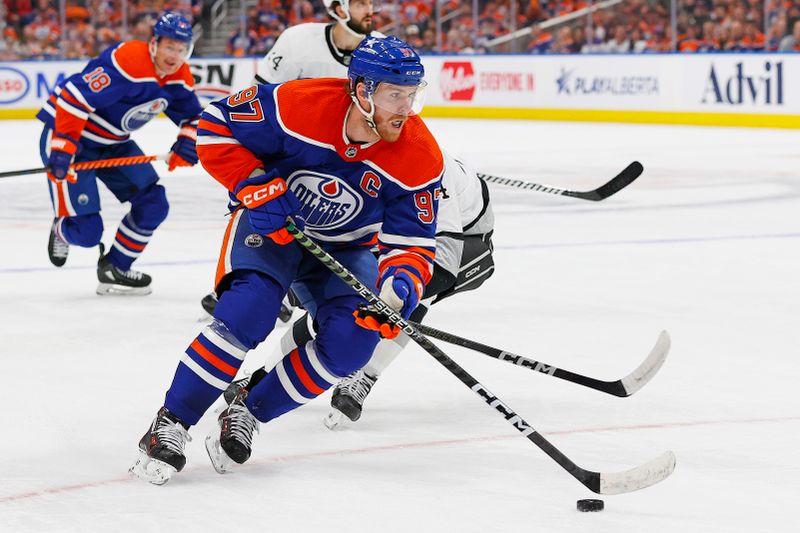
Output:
x,y
90,116
319,50
335,154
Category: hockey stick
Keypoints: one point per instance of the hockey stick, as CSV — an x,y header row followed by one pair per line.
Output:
x,y
622,387
601,483
91,165
613,186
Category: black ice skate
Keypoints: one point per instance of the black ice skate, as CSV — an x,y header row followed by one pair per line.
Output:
x,y
116,281
234,389
57,248
161,449
209,303
348,398
234,443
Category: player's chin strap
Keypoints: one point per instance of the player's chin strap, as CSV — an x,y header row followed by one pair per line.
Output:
x,y
368,116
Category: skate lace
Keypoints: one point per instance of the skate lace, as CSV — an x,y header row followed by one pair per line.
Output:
x,y
60,248
133,275
357,385
242,423
172,435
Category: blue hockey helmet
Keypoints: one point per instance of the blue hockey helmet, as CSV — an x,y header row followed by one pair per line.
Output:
x,y
174,26
388,60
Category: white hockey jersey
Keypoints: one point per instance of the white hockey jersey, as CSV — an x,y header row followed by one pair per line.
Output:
x,y
304,51
464,209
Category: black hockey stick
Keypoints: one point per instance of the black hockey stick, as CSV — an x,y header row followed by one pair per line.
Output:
x,y
616,184
623,387
601,483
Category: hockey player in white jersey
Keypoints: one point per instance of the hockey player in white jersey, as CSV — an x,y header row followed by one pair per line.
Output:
x,y
316,49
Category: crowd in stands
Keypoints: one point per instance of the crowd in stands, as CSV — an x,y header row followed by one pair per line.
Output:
x,y
702,26
33,28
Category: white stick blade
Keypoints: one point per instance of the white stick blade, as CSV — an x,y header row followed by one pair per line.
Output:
x,y
649,367
640,477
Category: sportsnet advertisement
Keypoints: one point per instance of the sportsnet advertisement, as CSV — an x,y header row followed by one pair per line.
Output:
x,y
24,85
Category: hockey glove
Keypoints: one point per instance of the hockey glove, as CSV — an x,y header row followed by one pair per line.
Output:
x,y
401,292
62,151
269,201
184,152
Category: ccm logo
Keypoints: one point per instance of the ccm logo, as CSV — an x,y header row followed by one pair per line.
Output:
x,y
258,195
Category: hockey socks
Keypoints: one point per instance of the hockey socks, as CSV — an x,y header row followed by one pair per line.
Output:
x,y
129,243
206,369
297,378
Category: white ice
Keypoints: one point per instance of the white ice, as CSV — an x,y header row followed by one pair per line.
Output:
x,y
705,245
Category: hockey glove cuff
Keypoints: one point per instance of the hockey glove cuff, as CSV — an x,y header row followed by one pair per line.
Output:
x,y
62,151
269,201
401,292
184,152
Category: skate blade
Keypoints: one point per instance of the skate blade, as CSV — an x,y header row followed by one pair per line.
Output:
x,y
110,289
334,419
151,470
219,459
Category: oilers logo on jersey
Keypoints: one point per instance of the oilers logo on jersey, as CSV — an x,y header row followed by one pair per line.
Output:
x,y
138,116
327,201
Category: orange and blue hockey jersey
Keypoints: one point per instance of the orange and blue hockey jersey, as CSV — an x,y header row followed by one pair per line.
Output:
x,y
351,194
117,93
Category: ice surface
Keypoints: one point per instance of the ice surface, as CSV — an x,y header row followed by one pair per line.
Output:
x,y
705,244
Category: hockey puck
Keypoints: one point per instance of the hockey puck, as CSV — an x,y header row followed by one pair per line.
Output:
x,y
590,506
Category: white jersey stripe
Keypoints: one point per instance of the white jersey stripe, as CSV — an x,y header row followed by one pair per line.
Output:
x,y
100,140
71,109
402,240
215,112
77,94
214,139
350,235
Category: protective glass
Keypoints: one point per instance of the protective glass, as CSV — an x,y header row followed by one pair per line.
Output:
x,y
400,99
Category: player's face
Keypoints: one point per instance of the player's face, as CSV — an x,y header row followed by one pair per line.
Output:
x,y
361,12
392,106
170,55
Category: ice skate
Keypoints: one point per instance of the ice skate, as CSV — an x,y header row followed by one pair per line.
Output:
x,y
161,449
57,248
209,303
348,398
235,388
285,313
233,444
123,282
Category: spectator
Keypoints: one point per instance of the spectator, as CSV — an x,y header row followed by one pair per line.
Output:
x,y
791,43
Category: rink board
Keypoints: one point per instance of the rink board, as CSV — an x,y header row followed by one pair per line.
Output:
x,y
758,90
